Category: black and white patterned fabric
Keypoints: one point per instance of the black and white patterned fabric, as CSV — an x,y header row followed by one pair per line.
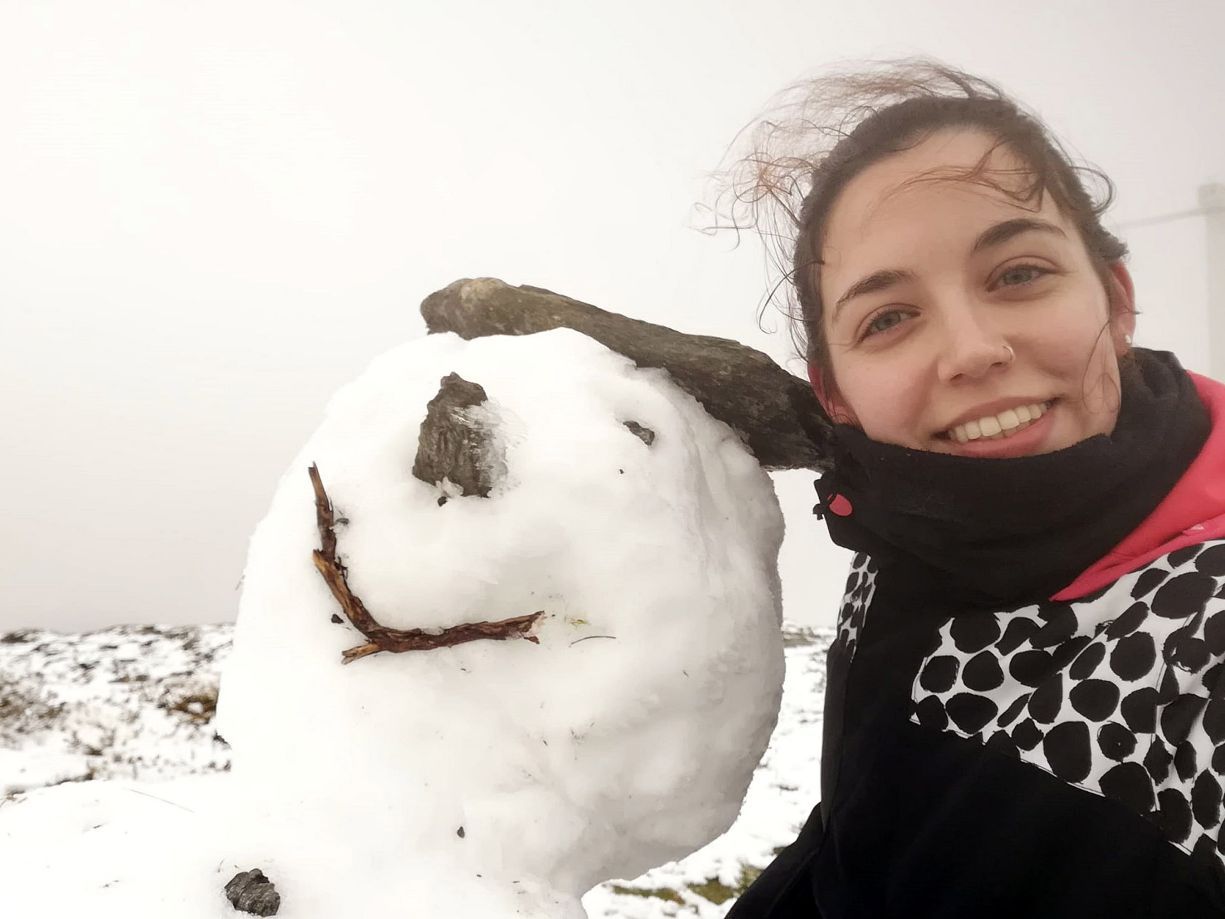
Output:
x,y
860,586
1121,693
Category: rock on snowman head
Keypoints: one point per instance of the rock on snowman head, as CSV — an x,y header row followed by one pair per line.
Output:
x,y
630,539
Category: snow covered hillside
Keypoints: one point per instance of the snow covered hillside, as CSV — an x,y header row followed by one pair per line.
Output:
x,y
138,703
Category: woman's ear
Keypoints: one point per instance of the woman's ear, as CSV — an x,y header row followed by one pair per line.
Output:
x,y
835,407
1121,293
838,411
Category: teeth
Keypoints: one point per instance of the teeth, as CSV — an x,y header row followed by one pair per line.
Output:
x,y
995,427
1008,419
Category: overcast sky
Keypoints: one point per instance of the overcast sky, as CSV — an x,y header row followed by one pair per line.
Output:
x,y
217,213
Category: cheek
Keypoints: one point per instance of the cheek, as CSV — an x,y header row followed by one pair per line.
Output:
x,y
884,404
1079,351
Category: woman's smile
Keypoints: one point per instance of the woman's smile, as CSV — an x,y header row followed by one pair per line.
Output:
x,y
1027,436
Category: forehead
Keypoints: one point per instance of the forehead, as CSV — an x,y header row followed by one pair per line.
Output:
x,y
915,197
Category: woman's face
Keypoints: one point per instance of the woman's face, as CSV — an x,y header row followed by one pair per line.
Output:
x,y
962,321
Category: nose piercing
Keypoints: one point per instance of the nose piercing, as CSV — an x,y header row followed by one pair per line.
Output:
x,y
1012,355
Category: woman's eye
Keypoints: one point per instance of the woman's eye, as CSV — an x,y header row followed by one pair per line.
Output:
x,y
1023,274
883,322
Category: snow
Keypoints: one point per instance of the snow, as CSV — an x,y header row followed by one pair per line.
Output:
x,y
785,788
488,779
79,707
47,669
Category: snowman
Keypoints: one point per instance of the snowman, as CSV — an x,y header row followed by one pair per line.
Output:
x,y
509,629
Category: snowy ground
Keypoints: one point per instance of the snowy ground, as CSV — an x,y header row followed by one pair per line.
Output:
x,y
138,702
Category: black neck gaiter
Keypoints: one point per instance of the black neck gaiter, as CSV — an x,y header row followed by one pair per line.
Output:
x,y
1021,528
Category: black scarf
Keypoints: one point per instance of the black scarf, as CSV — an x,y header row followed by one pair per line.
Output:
x,y
1020,528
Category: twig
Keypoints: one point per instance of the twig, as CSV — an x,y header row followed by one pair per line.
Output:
x,y
381,638
588,638
163,800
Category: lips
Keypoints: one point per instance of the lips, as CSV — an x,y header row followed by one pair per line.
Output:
x,y
999,425
1024,440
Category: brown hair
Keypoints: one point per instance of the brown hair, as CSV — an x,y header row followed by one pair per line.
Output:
x,y
823,132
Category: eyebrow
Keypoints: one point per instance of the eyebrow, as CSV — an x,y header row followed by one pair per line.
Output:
x,y
993,236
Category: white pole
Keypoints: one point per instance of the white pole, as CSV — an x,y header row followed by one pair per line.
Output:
x,y
1212,202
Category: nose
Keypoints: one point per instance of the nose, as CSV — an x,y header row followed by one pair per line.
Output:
x,y
972,346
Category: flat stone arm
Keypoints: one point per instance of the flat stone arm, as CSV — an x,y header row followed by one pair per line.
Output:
x,y
774,412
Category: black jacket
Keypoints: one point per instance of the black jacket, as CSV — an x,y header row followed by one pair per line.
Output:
x,y
1048,758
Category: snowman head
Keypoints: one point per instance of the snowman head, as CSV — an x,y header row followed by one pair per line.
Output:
x,y
634,531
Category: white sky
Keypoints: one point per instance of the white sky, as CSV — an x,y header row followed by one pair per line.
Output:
x,y
218,213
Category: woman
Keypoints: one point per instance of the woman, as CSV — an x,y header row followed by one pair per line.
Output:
x,y
1025,713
